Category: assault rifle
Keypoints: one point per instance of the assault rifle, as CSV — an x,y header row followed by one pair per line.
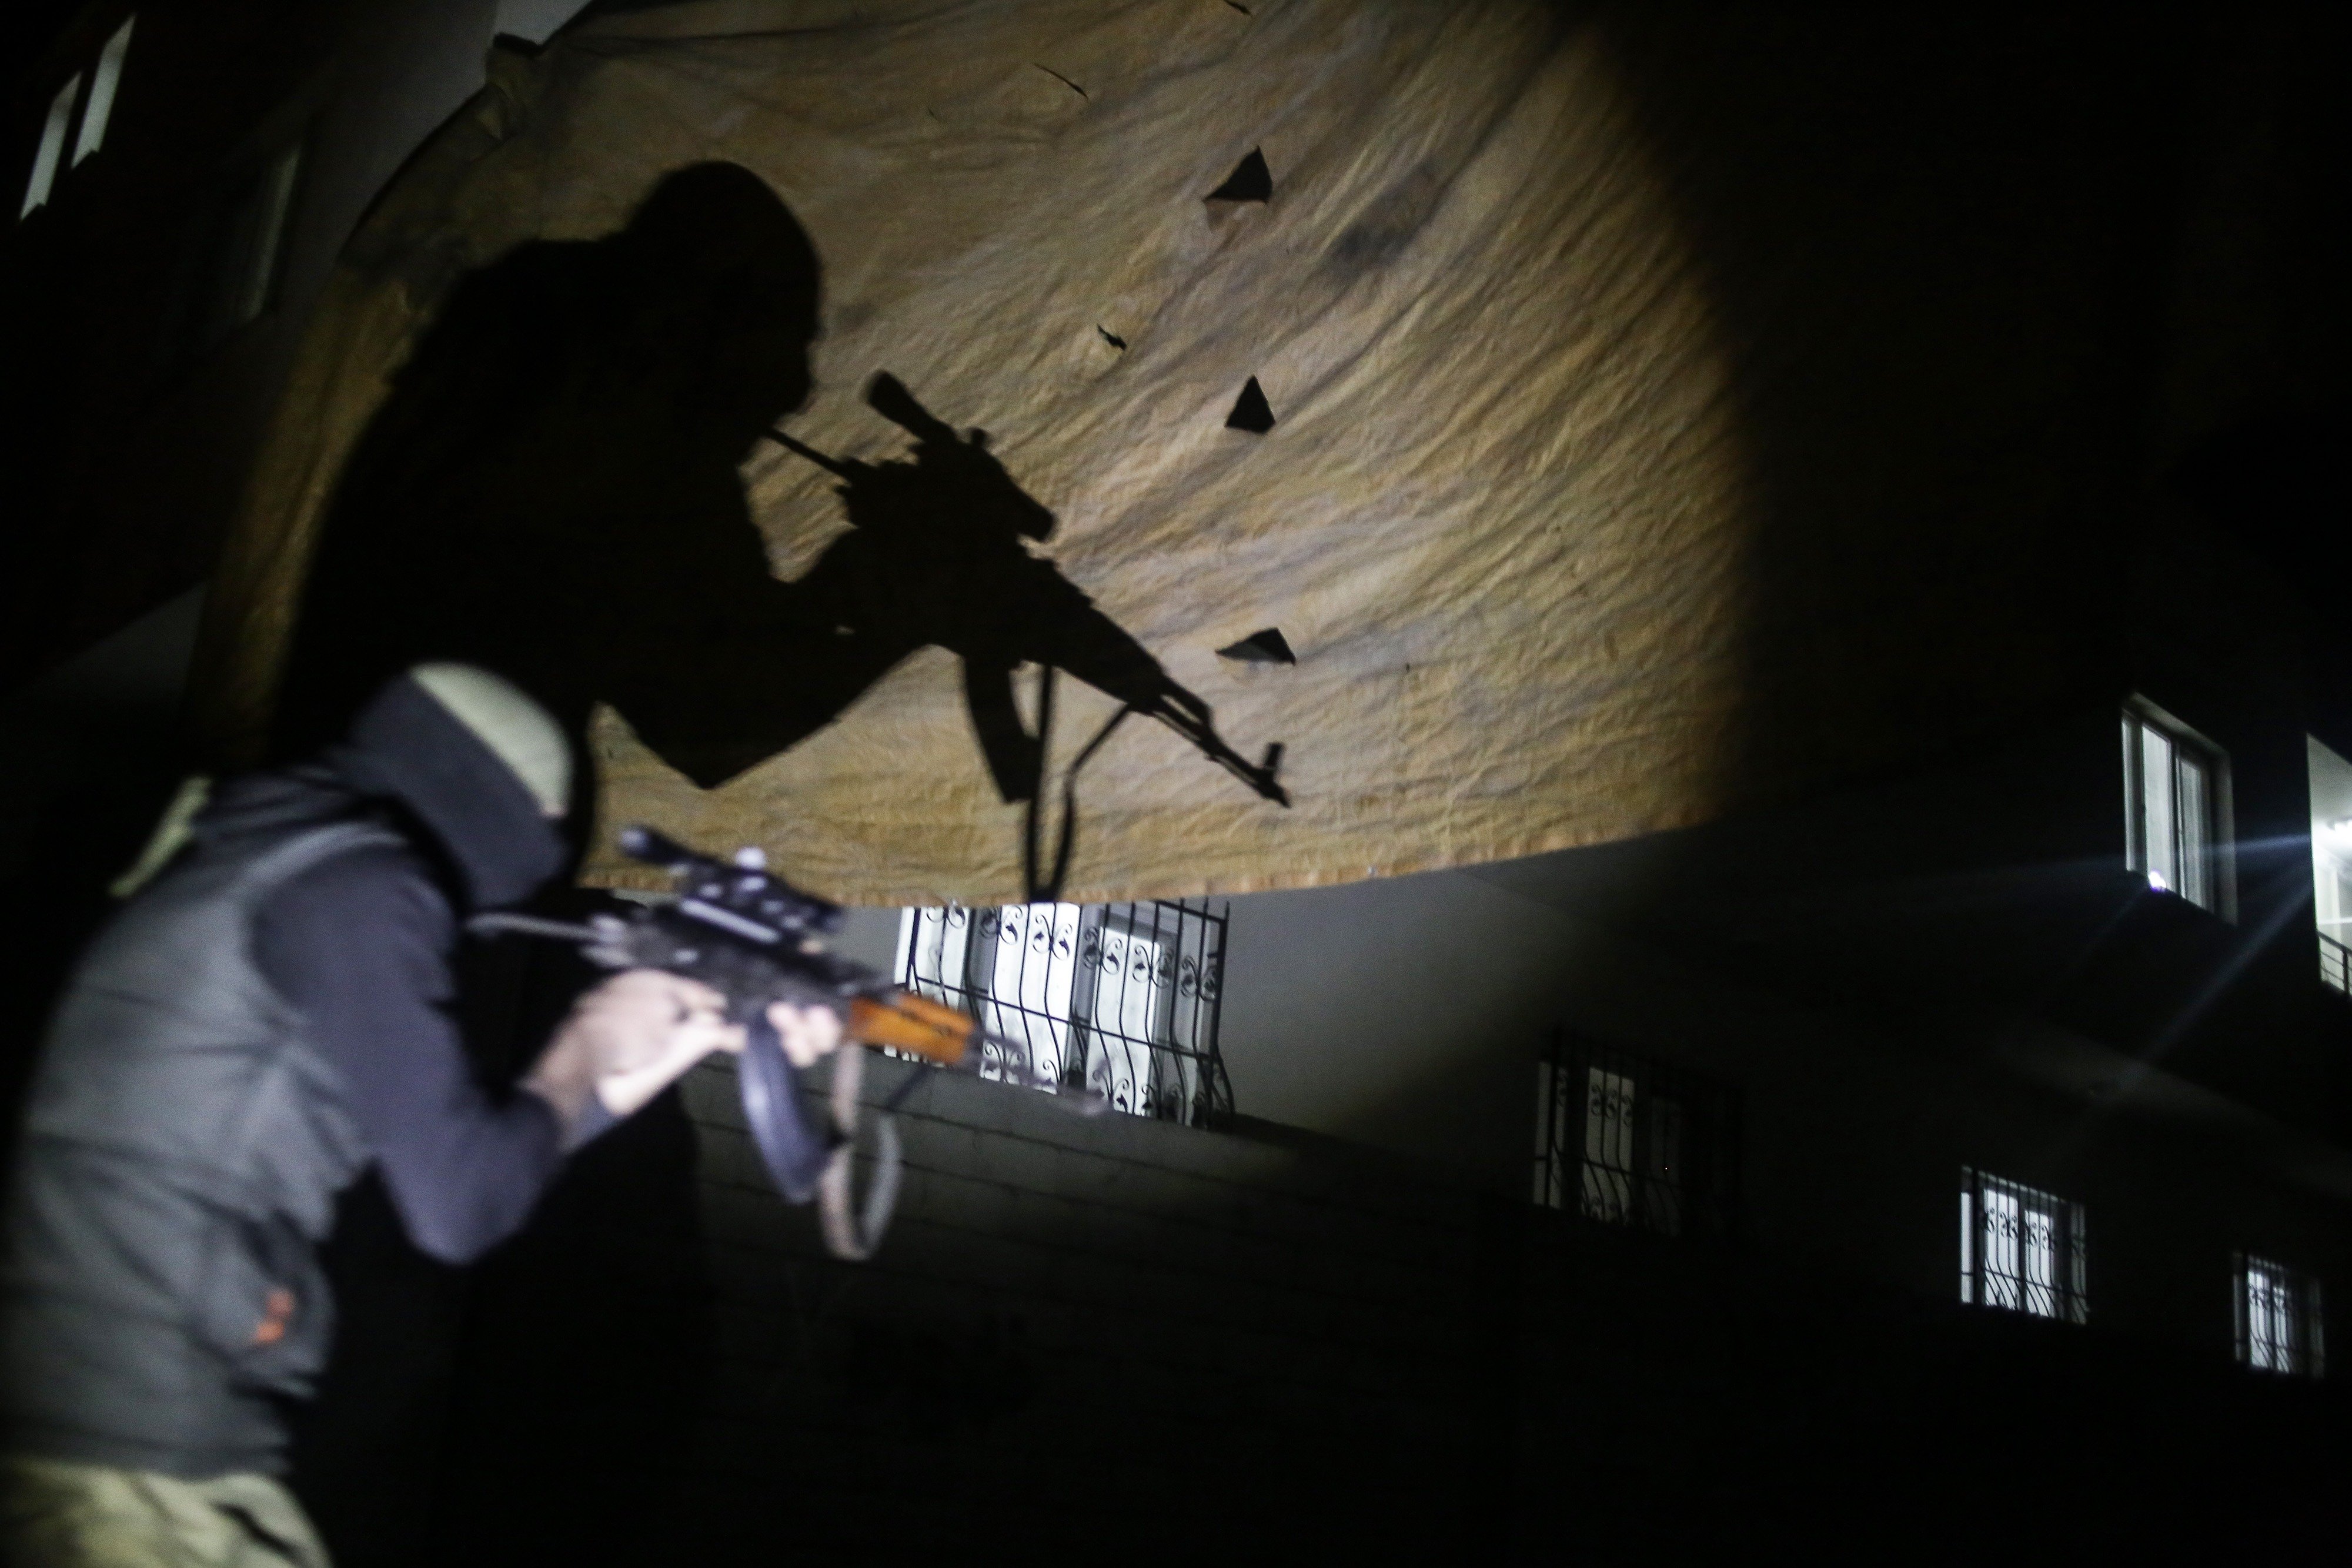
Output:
x,y
757,940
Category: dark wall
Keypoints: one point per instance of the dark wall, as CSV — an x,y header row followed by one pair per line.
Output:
x,y
1947,268
126,440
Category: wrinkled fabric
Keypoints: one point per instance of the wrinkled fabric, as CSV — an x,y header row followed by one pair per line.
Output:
x,y
57,1514
1497,517
62,1515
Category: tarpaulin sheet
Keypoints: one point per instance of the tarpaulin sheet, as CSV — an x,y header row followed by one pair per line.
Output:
x,y
1496,518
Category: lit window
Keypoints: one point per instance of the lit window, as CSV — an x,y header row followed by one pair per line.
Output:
x,y
2331,862
246,249
1123,997
2020,1248
1627,1141
53,146
97,108
2172,788
2278,1319
103,83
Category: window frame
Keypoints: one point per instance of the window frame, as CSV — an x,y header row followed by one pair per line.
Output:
x,y
2217,855
1668,1160
242,244
2331,862
2306,1333
2068,1287
193,330
67,133
2331,882
105,85
50,164
1035,974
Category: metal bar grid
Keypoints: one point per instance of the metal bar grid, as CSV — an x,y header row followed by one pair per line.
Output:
x,y
1627,1140
2022,1249
1124,998
2335,963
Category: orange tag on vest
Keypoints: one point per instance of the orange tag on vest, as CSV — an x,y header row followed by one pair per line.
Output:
x,y
276,1308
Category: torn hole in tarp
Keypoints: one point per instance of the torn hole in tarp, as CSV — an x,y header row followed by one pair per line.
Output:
x,y
1251,181
1266,647
1251,412
1113,339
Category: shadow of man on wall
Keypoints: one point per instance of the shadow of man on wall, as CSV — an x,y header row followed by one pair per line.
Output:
x,y
551,491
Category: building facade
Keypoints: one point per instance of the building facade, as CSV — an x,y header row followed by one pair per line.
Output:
x,y
1955,1153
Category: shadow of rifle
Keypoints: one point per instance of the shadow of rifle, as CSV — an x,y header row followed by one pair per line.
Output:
x,y
947,533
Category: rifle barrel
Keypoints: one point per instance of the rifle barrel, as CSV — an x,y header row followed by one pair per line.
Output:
x,y
531,925
832,465
1264,780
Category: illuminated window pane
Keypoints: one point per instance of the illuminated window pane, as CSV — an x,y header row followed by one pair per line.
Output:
x,y
2190,816
53,145
1132,974
2270,1312
1608,1194
1998,1244
2156,803
1967,1245
1027,976
103,83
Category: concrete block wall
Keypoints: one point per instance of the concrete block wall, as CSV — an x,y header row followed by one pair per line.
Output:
x,y
1134,1341
1090,1329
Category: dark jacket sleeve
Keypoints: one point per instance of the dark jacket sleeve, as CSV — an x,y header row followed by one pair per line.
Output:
x,y
361,946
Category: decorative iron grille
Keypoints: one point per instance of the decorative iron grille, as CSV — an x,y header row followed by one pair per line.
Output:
x,y
2335,963
2279,1319
1120,998
1628,1140
2022,1249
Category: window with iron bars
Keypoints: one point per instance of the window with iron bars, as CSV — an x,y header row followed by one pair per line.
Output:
x,y
1627,1140
2022,1249
2279,1319
1120,998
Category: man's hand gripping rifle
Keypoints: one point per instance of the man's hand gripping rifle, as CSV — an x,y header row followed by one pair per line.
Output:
x,y
757,940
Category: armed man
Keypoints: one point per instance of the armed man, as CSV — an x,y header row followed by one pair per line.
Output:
x,y
267,1017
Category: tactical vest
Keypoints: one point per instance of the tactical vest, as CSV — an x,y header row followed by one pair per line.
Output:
x,y
182,1147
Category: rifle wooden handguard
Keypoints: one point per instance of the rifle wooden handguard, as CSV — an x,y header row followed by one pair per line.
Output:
x,y
915,1025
